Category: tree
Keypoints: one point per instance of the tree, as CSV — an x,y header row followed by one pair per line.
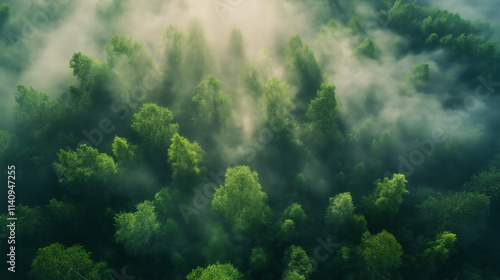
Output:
x,y
154,126
251,80
486,182
87,70
235,54
185,157
58,262
34,113
295,213
340,210
128,57
241,201
381,255
442,247
174,50
123,151
288,231
298,264
463,213
215,271
80,100
323,110
138,231
85,165
386,198
164,203
174,62
213,105
278,103
302,68
199,59
418,77
367,49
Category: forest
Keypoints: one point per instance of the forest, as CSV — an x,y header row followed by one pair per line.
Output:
x,y
238,139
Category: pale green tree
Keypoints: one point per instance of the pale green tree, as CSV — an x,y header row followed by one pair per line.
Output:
x,y
241,201
385,200
138,231
123,151
213,105
154,126
340,210
297,263
84,165
278,100
367,49
215,271
58,262
185,158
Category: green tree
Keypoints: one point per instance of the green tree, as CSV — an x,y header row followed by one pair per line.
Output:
x,y
252,80
58,262
384,203
463,213
88,70
174,50
164,203
323,110
138,231
298,263
418,77
199,59
381,255
302,68
213,105
340,210
80,100
123,151
128,57
85,165
296,213
241,201
442,247
215,271
154,126
186,158
35,114
288,231
174,62
278,103
486,182
367,49
235,54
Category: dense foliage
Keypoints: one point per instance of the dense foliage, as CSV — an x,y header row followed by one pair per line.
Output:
x,y
195,162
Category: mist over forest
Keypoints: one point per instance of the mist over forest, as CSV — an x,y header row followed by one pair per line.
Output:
x,y
238,139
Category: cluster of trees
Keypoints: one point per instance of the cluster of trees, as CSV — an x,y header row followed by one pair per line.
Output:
x,y
149,142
